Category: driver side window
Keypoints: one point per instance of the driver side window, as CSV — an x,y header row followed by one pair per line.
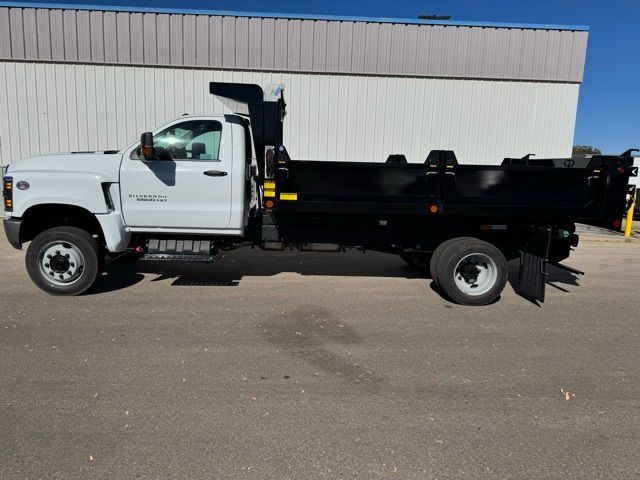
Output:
x,y
190,140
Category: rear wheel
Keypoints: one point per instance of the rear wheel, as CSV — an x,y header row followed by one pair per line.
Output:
x,y
471,272
64,261
437,254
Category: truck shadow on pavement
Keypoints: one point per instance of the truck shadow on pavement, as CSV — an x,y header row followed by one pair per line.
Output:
x,y
234,266
556,278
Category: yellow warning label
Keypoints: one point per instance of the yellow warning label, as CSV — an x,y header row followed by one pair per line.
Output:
x,y
288,196
269,193
269,185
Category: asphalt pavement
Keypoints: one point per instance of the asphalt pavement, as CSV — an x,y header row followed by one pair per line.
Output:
x,y
304,366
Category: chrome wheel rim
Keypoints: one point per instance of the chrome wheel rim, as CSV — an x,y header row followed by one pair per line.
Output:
x,y
61,263
476,274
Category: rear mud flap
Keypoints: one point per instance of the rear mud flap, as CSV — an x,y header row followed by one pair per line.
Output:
x,y
533,262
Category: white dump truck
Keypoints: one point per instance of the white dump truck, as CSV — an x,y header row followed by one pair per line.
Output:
x,y
201,184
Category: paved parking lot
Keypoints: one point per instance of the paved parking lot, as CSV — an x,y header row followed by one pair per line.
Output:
x,y
276,366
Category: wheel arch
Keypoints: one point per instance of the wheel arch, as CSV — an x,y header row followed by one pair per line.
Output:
x,y
38,218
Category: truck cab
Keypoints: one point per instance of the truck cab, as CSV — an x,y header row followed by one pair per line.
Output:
x,y
198,179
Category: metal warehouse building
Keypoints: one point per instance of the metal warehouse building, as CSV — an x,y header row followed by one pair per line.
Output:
x,y
92,78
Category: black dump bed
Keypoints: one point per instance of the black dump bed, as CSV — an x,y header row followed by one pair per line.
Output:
x,y
591,191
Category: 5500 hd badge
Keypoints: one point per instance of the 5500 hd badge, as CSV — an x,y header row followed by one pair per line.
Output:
x,y
143,197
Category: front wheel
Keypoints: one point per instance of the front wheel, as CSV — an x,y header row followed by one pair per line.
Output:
x,y
472,272
64,261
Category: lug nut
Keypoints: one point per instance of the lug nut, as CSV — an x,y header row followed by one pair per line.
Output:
x,y
46,265
51,273
66,255
57,252
72,265
61,276
48,256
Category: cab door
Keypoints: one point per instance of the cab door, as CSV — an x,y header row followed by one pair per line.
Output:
x,y
187,186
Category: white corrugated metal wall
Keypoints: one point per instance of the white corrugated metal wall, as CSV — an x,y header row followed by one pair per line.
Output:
x,y
53,107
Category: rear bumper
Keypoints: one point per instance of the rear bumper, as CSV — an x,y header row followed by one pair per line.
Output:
x,y
12,230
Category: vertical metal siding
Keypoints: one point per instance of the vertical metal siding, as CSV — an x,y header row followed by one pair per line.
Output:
x,y
5,34
202,41
30,32
189,40
122,37
110,38
291,45
149,45
163,50
136,38
63,107
281,40
306,49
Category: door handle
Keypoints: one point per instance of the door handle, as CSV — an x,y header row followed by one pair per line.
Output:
x,y
215,173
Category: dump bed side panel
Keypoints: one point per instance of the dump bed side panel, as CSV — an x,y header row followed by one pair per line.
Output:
x,y
525,187
591,192
368,188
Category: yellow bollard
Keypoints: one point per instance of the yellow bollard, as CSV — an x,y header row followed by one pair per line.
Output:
x,y
629,222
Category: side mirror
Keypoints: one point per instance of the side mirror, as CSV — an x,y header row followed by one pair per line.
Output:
x,y
146,146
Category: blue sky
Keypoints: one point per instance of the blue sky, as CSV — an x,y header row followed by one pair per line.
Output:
x,y
609,106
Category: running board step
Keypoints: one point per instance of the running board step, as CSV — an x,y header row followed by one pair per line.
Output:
x,y
167,257
169,246
180,250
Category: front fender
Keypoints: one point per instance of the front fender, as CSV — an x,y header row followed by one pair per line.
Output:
x,y
81,190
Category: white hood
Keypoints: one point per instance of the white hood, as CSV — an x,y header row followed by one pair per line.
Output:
x,y
69,178
105,166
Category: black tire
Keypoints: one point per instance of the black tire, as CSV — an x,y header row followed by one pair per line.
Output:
x,y
489,261
75,240
419,261
435,258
